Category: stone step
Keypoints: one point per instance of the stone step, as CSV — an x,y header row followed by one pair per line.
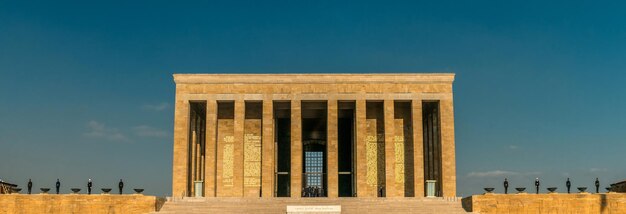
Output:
x,y
278,205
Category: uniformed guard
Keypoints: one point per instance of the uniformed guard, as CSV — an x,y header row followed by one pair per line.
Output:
x,y
568,184
30,185
121,186
597,186
506,186
89,185
58,186
537,184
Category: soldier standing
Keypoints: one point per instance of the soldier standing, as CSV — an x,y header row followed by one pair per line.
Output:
x,y
89,185
537,184
506,186
597,186
568,184
121,186
58,185
30,185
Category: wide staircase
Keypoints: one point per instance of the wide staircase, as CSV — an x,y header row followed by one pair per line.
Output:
x,y
279,205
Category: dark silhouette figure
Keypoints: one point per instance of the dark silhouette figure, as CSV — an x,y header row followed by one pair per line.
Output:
x,y
537,184
506,186
121,186
30,186
597,186
568,184
89,185
58,185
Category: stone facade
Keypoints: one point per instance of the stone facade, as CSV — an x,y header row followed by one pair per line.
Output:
x,y
546,203
76,203
225,133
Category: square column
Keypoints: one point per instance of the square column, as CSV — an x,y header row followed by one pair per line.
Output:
x,y
391,185
418,147
362,188
240,112
447,148
267,150
193,158
210,148
296,148
181,143
331,147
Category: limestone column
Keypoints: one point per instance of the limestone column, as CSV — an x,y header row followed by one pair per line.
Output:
x,y
332,143
391,186
362,189
447,147
210,148
296,148
418,147
267,157
192,178
240,112
181,143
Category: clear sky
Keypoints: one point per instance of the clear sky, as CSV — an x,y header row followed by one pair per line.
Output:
x,y
86,87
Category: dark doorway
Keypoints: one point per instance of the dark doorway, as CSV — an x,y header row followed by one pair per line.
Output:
x,y
314,131
432,144
196,152
282,143
345,135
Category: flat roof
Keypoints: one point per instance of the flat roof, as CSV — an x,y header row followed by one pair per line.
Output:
x,y
315,78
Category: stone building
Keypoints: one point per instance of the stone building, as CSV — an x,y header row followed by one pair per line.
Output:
x,y
314,135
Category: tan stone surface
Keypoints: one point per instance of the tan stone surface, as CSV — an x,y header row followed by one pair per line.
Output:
x,y
391,186
252,158
403,145
278,205
361,152
394,78
211,120
309,89
297,87
296,148
547,203
74,203
238,163
374,148
448,150
332,147
225,157
181,130
418,147
267,177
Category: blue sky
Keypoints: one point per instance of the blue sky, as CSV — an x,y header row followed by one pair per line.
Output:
x,y
86,89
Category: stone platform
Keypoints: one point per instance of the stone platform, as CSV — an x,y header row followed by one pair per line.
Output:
x,y
547,203
279,205
78,203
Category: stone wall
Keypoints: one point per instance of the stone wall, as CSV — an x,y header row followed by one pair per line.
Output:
x,y
76,203
546,203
